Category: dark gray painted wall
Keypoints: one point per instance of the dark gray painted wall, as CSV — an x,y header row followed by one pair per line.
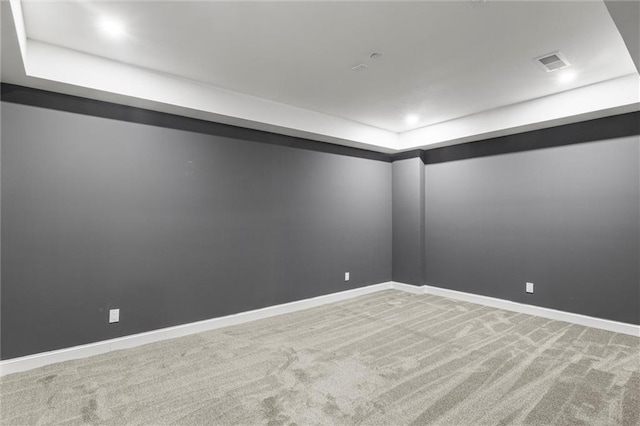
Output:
x,y
408,221
172,226
565,218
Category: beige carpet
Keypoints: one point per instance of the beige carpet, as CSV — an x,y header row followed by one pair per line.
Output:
x,y
389,358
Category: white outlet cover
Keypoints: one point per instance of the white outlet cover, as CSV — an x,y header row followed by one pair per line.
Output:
x,y
529,287
346,276
114,315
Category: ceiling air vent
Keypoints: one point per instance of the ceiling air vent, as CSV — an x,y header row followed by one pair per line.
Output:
x,y
552,62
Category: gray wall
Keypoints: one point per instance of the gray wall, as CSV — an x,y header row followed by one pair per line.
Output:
x,y
408,221
565,218
172,226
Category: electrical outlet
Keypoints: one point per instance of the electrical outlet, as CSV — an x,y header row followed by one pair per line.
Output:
x,y
114,315
346,276
529,287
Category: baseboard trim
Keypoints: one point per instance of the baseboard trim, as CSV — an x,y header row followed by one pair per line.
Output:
x,y
603,324
16,365
408,288
29,362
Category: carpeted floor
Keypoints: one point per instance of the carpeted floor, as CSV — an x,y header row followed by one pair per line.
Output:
x,y
389,358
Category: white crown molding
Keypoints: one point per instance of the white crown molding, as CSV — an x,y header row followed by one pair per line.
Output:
x,y
616,96
43,66
21,35
118,82
62,70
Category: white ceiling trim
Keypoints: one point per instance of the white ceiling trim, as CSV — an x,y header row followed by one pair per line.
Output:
x,y
63,70
611,97
67,71
16,11
175,95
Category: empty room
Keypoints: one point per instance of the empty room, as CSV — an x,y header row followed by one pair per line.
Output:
x,y
320,213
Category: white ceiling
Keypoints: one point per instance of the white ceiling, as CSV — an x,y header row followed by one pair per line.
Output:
x,y
449,63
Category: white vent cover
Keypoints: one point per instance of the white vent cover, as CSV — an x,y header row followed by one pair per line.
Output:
x,y
552,62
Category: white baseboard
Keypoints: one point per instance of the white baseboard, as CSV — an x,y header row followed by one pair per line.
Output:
x,y
29,362
603,324
408,288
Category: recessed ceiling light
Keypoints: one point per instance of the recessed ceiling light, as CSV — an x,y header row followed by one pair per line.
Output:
x,y
411,119
566,76
111,27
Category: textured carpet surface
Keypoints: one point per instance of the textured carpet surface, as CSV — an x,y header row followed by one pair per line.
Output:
x,y
389,358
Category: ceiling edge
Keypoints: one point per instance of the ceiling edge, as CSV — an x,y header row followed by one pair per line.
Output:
x,y
626,17
611,97
53,68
